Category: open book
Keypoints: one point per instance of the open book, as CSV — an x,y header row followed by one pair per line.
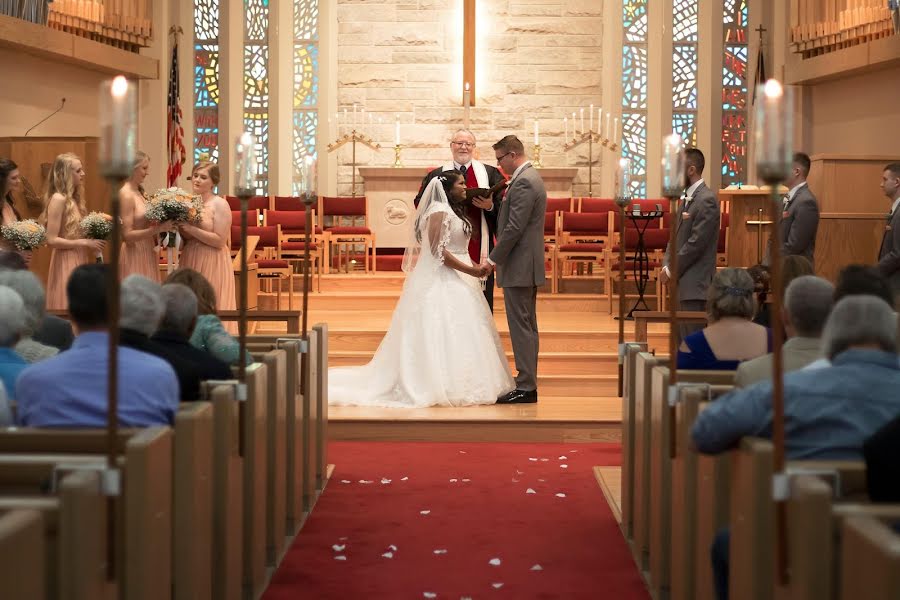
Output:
x,y
484,192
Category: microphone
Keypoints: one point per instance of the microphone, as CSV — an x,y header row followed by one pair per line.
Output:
x,y
62,103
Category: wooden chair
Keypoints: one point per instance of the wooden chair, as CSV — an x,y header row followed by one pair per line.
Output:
x,y
605,206
259,203
293,240
334,212
551,234
583,239
268,259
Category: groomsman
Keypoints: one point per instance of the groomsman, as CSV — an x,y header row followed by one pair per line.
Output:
x,y
482,212
800,214
697,234
889,255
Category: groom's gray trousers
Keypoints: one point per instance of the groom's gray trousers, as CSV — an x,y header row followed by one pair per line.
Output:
x,y
521,313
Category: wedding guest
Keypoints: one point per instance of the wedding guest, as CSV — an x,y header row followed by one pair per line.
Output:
x,y
12,324
29,288
209,334
206,246
52,331
792,267
12,261
800,214
5,410
70,389
64,208
139,255
889,253
731,336
10,182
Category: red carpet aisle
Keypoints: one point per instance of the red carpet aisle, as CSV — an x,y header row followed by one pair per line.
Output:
x,y
461,520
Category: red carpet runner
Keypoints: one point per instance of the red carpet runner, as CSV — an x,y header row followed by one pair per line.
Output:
x,y
461,520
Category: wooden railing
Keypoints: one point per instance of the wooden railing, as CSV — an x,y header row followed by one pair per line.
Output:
x,y
821,26
125,24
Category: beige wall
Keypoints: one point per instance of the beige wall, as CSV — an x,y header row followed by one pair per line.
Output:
x,y
538,60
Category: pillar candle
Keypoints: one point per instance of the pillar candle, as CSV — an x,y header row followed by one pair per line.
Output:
x,y
607,125
536,139
591,128
582,121
565,129
574,126
397,131
615,129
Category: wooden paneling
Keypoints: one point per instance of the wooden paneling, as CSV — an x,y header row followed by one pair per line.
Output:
x,y
847,239
849,184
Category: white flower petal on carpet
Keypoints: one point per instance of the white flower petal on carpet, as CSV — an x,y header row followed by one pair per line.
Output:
x,y
497,586
346,481
560,495
530,491
495,562
536,568
392,548
429,594
563,458
424,512
385,481
388,555
340,557
440,551
563,466
339,547
404,479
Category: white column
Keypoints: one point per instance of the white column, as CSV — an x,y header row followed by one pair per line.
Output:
x,y
659,88
231,86
709,88
611,98
328,96
281,97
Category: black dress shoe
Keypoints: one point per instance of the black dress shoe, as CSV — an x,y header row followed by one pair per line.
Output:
x,y
518,396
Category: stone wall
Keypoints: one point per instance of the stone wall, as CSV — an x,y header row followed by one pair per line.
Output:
x,y
536,59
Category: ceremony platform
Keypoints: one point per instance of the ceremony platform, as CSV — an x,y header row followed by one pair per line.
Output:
x,y
577,368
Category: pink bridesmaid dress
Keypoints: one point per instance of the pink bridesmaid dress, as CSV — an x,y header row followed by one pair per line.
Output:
x,y
212,263
140,257
62,262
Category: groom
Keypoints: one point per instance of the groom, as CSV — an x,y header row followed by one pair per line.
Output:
x,y
519,258
482,212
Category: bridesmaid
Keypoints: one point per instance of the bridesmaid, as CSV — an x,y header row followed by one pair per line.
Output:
x,y
139,255
63,210
9,182
206,246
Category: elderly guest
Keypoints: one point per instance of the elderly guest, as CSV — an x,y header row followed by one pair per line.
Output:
x,y
52,330
12,324
807,304
731,336
28,286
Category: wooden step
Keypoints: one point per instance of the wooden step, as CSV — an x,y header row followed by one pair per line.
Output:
x,y
386,300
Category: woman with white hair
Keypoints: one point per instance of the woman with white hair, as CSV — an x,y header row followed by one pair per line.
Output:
x,y
12,324
731,336
29,288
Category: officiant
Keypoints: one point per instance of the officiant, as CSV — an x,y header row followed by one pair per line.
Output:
x,y
482,212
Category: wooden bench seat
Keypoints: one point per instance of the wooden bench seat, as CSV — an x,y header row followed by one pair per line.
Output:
x,y
870,559
22,553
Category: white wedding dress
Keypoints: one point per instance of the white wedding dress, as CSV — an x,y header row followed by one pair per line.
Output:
x,y
442,347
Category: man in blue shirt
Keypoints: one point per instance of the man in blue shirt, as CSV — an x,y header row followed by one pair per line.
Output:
x,y
69,390
12,323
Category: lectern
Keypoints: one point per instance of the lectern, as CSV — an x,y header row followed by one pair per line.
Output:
x,y
750,226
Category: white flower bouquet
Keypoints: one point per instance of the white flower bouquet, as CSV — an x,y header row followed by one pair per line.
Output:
x,y
24,235
96,226
174,204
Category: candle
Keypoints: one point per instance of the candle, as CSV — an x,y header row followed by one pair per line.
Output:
x,y
118,126
582,120
397,131
245,163
574,127
591,111
773,132
623,181
672,165
536,141
607,125
466,102
565,129
615,129
311,179
354,114
600,121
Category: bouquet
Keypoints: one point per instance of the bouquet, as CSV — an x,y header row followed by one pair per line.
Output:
x,y
176,205
97,226
25,235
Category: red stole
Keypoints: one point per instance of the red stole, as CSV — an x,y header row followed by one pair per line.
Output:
x,y
474,214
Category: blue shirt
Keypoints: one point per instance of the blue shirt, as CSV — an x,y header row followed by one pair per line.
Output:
x,y
69,389
11,366
828,413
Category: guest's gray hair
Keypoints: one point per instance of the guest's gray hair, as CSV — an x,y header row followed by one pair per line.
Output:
x,y
462,130
12,316
181,308
857,320
730,295
142,304
808,301
29,288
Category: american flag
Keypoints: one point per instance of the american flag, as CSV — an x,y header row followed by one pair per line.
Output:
x,y
174,130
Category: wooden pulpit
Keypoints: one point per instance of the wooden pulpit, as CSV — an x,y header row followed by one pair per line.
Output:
x,y
750,225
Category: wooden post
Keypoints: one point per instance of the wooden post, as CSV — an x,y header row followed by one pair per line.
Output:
x,y
469,48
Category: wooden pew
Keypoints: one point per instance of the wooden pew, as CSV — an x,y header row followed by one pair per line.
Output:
x,y
253,429
23,564
642,318
144,510
660,489
74,522
713,509
276,455
296,448
311,416
870,560
320,360
629,381
290,318
640,543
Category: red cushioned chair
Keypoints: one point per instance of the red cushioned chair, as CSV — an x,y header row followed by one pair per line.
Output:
x,y
255,202
582,242
555,205
551,238
345,221
292,224
288,203
269,263
254,217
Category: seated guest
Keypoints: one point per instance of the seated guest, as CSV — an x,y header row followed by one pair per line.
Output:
x,y
174,335
12,324
882,468
5,411
209,334
731,336
807,304
828,412
70,389
52,331
29,288
792,267
761,289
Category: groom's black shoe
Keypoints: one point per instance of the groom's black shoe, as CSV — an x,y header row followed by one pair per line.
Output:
x,y
518,396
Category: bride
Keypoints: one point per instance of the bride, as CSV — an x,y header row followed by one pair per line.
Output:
x,y
442,347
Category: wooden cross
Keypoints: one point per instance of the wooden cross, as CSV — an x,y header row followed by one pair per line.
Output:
x,y
760,30
469,48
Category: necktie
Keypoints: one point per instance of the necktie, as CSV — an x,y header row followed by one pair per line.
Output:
x,y
463,169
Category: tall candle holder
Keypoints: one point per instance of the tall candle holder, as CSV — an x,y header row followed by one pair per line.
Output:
x,y
590,138
353,138
309,196
536,157
623,197
397,149
245,162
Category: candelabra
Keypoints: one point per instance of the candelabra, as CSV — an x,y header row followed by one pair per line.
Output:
x,y
536,157
397,149
590,137
352,138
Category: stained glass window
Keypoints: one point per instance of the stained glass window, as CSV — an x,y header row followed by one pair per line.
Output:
x,y
256,86
634,92
306,86
206,80
684,70
736,18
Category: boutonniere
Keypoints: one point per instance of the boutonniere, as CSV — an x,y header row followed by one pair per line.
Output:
x,y
685,215
785,214
887,227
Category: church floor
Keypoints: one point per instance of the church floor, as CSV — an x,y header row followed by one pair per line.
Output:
x,y
577,366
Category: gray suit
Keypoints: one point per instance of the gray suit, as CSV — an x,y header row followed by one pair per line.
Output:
x,y
889,254
799,224
697,235
519,256
798,352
